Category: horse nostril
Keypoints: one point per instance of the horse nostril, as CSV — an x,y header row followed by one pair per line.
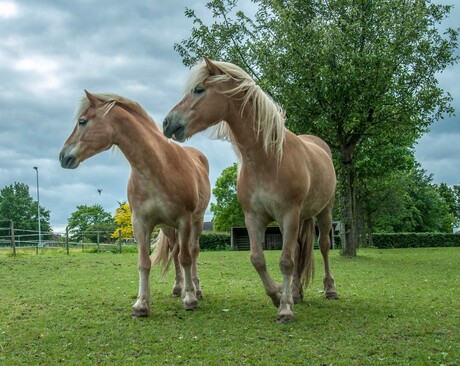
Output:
x,y
166,123
68,161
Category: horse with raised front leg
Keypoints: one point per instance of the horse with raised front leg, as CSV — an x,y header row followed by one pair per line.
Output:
x,y
168,186
282,177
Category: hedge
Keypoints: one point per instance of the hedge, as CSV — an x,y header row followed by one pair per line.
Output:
x,y
416,240
214,241
221,241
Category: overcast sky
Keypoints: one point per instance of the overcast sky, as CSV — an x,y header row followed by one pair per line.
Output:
x,y
51,50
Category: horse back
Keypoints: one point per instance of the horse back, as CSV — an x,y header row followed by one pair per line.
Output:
x,y
198,157
317,141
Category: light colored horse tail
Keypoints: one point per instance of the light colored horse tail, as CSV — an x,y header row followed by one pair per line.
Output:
x,y
306,263
160,254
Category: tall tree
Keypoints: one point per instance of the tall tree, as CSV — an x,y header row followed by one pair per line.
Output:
x,y
226,211
348,71
87,221
17,205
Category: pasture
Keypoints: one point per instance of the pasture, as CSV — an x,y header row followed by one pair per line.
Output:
x,y
396,307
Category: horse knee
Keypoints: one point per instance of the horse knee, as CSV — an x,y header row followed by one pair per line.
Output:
x,y
258,262
185,259
286,265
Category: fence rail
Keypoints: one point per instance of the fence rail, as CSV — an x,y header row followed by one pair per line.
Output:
x,y
27,240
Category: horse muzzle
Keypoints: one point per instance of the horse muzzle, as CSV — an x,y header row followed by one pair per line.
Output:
x,y
68,160
173,127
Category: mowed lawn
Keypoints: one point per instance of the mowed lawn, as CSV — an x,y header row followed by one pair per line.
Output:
x,y
396,307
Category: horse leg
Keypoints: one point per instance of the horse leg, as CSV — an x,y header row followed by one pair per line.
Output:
x,y
290,226
325,226
297,288
185,230
142,234
256,231
179,276
196,232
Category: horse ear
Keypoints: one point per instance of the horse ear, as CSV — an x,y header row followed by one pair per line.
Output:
x,y
212,67
93,100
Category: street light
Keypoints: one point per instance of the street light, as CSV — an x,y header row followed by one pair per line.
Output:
x,y
38,211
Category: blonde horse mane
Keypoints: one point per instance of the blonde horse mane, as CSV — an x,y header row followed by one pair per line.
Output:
x,y
111,100
269,116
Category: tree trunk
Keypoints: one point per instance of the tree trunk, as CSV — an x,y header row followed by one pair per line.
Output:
x,y
369,229
346,177
359,229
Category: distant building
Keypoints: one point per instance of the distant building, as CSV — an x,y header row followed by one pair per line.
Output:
x,y
239,238
207,226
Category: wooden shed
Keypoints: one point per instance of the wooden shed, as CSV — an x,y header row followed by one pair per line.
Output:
x,y
239,238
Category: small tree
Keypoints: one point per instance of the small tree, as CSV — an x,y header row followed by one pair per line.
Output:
x,y
123,221
227,210
85,223
16,204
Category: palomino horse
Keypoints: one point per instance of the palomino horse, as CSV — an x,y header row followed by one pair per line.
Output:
x,y
282,177
168,186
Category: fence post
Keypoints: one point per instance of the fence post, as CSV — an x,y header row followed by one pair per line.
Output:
x,y
67,239
98,241
119,241
13,243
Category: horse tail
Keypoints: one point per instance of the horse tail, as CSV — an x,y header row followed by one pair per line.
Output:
x,y
160,255
306,263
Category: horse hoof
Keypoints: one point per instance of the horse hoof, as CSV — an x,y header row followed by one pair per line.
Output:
x,y
284,318
297,299
199,294
140,313
331,295
193,305
177,292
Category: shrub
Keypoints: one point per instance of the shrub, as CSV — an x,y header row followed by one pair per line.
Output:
x,y
215,241
416,240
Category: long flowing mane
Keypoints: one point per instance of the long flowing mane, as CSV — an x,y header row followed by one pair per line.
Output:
x,y
111,100
268,116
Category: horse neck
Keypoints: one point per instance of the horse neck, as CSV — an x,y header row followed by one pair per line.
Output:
x,y
140,140
245,138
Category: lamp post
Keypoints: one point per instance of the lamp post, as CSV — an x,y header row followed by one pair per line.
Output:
x,y
38,211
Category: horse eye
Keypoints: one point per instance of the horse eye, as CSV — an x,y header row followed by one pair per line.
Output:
x,y
198,90
82,122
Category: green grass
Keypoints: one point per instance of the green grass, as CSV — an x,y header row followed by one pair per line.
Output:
x,y
396,307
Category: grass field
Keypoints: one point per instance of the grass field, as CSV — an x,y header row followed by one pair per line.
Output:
x,y
396,307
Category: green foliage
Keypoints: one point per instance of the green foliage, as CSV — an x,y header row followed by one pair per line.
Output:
x,y
123,220
410,203
87,221
16,204
451,197
226,211
215,241
416,240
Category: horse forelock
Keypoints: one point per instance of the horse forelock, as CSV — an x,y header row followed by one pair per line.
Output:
x,y
268,115
111,100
